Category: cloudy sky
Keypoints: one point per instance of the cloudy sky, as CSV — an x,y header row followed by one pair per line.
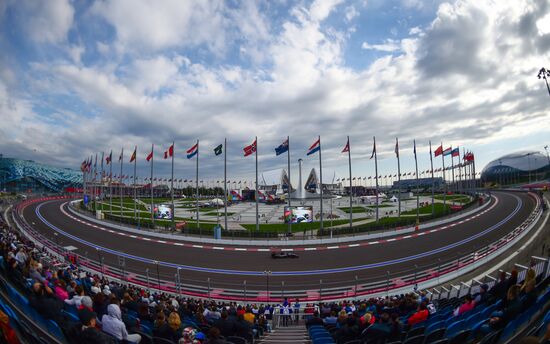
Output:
x,y
80,77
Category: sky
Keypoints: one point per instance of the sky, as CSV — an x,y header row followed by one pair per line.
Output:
x,y
84,77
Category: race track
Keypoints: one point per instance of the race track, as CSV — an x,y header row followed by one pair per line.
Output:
x,y
367,261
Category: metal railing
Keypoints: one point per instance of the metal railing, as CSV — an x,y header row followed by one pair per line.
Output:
x,y
175,282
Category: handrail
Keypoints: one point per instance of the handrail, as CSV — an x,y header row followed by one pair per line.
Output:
x,y
424,276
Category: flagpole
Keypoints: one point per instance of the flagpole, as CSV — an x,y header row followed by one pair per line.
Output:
x,y
398,178
172,189
111,183
101,179
95,184
376,176
350,189
120,181
256,190
459,186
289,188
225,181
151,185
453,169
197,185
417,195
444,181
135,191
321,183
433,181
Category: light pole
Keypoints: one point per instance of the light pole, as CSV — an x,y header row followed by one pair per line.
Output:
x,y
547,156
544,74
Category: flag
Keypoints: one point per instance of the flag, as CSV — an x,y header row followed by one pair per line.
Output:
x,y
133,157
150,156
396,148
169,152
191,152
109,158
455,152
373,150
120,157
447,151
283,147
346,148
438,151
315,147
248,150
219,149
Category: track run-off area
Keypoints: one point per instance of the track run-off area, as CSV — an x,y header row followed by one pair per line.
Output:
x,y
321,271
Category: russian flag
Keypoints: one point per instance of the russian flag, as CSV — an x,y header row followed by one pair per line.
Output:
x,y
191,152
315,147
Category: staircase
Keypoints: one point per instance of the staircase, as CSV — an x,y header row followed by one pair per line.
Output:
x,y
283,335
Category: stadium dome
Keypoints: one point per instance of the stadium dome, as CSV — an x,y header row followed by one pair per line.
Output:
x,y
28,176
518,165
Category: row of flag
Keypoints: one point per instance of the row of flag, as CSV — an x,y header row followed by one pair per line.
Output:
x,y
283,148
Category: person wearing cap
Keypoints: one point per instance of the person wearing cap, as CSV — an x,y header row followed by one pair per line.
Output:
x,y
483,296
89,333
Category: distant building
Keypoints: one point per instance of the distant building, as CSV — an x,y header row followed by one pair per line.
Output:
x,y
516,168
30,177
422,183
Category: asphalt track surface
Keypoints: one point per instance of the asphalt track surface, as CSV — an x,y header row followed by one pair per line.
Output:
x,y
228,269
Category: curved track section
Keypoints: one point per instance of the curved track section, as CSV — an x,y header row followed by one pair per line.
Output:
x,y
393,260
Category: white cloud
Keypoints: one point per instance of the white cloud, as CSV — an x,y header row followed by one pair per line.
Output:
x,y
445,82
389,45
351,13
44,21
147,24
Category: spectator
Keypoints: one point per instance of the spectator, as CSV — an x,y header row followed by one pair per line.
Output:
x,y
214,336
225,325
379,331
315,320
466,306
113,325
174,323
89,334
45,302
483,296
249,316
348,332
499,319
396,328
76,300
60,290
331,319
161,328
243,328
420,315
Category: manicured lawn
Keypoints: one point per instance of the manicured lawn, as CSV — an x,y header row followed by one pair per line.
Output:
x,y
297,227
354,209
213,213
380,206
438,209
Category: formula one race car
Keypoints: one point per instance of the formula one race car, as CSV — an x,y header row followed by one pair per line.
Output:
x,y
277,255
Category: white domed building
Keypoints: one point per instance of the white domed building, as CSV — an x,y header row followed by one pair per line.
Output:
x,y
517,167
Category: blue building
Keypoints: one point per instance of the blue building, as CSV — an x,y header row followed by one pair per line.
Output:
x,y
30,177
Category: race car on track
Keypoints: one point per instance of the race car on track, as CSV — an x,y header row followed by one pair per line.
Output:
x,y
278,255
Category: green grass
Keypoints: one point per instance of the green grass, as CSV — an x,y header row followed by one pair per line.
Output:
x,y
438,210
297,227
380,206
213,213
354,210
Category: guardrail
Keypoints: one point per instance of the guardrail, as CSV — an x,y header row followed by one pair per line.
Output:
x,y
393,282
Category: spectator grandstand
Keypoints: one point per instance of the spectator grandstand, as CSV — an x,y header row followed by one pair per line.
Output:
x,y
68,305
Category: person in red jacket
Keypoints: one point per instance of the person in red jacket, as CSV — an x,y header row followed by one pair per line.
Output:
x,y
420,315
